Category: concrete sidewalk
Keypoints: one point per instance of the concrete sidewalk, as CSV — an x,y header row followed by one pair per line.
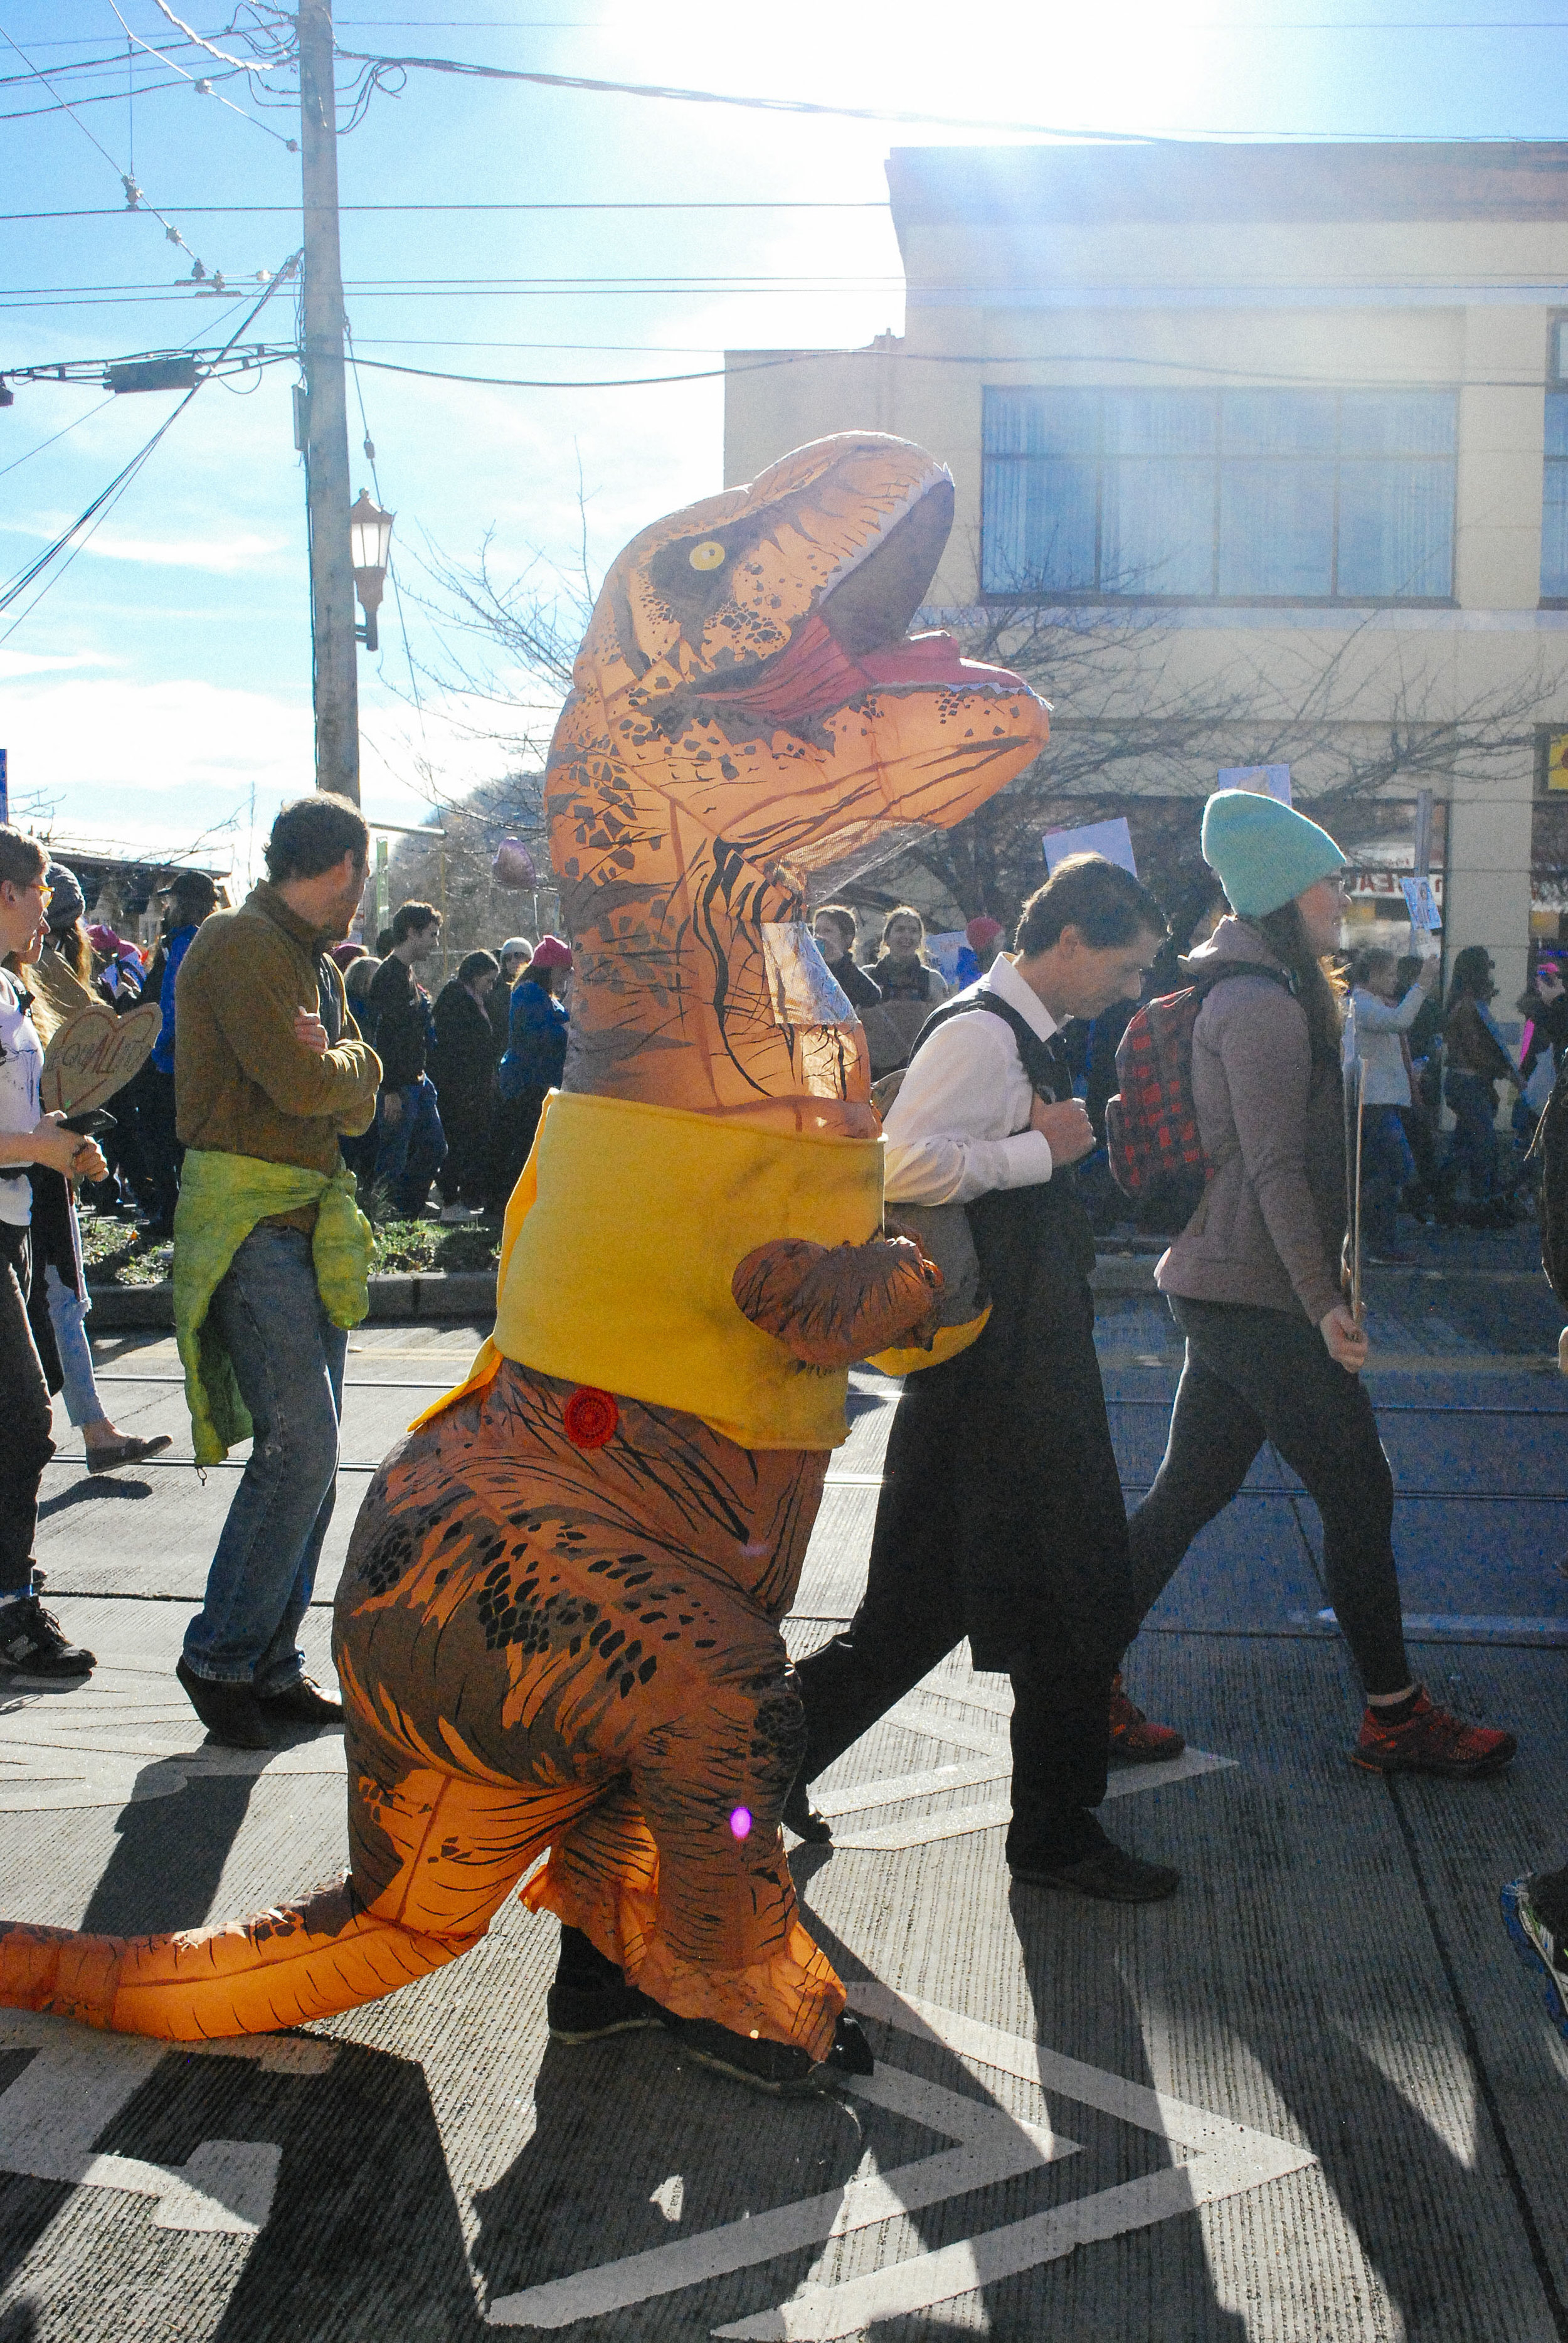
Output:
x,y
1313,2096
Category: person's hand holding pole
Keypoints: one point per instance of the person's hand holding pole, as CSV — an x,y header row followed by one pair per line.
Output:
x,y
66,1151
1345,1338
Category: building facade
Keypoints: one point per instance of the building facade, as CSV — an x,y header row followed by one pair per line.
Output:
x,y
1284,430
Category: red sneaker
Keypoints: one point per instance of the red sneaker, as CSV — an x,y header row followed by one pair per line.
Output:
x,y
1133,1740
1433,1741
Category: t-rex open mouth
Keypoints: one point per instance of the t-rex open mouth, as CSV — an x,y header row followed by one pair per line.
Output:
x,y
855,642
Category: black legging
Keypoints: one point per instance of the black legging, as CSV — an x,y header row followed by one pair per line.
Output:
x,y
27,1444
1252,1376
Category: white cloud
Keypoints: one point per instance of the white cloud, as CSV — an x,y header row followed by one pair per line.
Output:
x,y
228,555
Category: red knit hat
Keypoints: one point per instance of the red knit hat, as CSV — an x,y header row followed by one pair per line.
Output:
x,y
550,953
982,931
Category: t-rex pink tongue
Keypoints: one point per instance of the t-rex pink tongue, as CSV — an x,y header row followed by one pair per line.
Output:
x,y
815,675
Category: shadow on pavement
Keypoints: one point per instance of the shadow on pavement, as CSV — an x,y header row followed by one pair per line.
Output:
x,y
169,1857
86,1492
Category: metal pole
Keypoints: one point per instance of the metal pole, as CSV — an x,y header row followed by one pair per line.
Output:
x,y
332,619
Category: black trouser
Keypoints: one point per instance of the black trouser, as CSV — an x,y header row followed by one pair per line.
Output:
x,y
954,1438
162,1153
26,1445
1252,1376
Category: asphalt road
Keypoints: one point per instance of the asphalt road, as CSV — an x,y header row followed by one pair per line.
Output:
x,y
1313,2096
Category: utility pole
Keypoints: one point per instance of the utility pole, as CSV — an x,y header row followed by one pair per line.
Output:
x,y
332,618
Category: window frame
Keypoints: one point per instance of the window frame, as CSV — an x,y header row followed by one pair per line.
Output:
x,y
1556,382
1098,595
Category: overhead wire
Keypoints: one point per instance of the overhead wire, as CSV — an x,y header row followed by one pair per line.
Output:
x,y
135,199
43,570
376,483
206,87
76,424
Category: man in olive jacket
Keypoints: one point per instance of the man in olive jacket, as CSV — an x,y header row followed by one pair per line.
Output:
x,y
269,1067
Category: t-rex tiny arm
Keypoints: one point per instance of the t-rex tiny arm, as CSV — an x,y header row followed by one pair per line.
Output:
x,y
832,1304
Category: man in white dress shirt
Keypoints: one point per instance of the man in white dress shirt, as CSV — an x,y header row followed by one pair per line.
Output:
x,y
1000,1515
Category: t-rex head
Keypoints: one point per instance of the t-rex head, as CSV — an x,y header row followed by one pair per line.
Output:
x,y
747,707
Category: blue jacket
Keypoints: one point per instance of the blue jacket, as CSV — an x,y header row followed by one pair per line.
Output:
x,y
536,1052
178,944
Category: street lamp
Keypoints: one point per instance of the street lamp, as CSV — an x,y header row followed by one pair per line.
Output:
x,y
369,544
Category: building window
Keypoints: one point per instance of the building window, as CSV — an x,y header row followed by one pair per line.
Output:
x,y
1240,496
1554,496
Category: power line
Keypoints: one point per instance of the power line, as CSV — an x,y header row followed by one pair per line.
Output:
x,y
80,419
206,87
41,571
780,203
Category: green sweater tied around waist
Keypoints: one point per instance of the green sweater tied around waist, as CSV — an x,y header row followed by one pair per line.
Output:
x,y
222,1197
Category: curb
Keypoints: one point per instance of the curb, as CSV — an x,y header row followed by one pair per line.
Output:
x,y
460,1295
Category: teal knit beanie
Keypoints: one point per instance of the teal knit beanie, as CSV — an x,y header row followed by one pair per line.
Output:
x,y
1265,853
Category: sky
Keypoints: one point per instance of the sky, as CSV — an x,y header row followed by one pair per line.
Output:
x,y
159,693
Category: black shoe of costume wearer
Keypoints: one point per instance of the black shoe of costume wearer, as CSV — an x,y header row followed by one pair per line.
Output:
x,y
590,1997
1108,1873
800,1817
781,2068
231,1712
32,1642
301,1703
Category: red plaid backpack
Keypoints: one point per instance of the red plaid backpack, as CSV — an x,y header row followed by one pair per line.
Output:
x,y
1152,1125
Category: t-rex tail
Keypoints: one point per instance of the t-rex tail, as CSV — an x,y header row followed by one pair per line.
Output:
x,y
277,1969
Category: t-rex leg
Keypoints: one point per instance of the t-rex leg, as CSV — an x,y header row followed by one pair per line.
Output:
x,y
679,1872
447,1849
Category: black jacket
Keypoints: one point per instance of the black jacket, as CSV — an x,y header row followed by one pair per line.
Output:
x,y
402,1011
463,1059
861,991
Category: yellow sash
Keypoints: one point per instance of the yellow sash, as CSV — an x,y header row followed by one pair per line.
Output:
x,y
620,1242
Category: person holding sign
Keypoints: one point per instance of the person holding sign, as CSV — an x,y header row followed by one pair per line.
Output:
x,y
31,1640
1253,1280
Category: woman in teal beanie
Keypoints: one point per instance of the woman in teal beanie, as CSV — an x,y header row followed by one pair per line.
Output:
x,y
1253,1280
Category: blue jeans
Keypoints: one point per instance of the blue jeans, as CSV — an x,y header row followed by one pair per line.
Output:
x,y
1474,1141
1387,1167
287,1360
411,1150
68,1317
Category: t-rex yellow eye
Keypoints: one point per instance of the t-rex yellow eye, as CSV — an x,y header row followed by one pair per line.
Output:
x,y
708,555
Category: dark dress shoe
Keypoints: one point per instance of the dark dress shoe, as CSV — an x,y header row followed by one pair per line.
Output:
x,y
302,1702
1108,1874
112,1453
230,1712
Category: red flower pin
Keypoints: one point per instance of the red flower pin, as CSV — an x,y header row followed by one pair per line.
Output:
x,y
592,1417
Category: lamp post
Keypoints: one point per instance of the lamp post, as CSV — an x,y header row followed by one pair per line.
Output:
x,y
369,544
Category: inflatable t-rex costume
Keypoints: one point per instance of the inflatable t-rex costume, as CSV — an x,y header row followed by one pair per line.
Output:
x,y
558,1626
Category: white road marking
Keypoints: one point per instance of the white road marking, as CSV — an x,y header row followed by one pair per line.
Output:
x,y
78,2082
992,2146
1227,2159
127,1734
971,1718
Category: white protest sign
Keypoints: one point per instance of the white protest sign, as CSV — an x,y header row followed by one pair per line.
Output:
x,y
1111,839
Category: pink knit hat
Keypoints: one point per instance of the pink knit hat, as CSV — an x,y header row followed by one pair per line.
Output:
x,y
982,931
550,953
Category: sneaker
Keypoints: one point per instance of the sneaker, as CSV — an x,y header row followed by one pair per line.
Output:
x,y
1538,1947
1433,1741
231,1712
32,1642
1133,1740
590,1997
781,2069
110,1454
301,1703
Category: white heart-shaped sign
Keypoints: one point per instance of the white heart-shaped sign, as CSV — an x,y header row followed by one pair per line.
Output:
x,y
96,1054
